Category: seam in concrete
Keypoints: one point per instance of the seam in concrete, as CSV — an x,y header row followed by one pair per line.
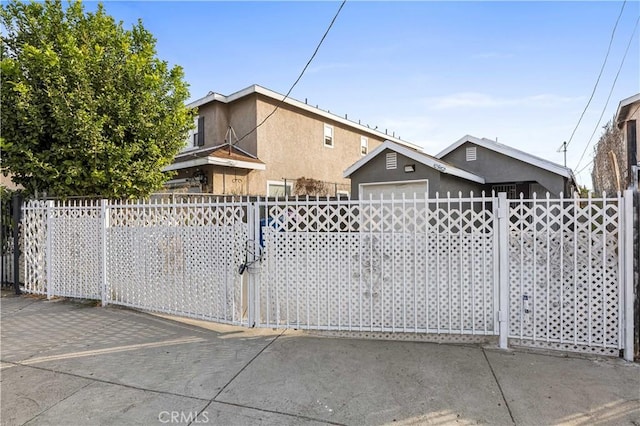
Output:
x,y
297,416
247,365
237,374
62,400
499,386
94,379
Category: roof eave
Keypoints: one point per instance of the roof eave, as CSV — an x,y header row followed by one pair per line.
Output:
x,y
297,104
418,156
510,152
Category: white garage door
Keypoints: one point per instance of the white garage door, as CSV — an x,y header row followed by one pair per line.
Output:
x,y
397,189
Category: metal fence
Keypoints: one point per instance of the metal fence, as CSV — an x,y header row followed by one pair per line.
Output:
x,y
566,273
10,241
541,272
421,266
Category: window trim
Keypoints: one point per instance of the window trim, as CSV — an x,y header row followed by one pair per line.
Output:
x,y
288,184
364,143
324,136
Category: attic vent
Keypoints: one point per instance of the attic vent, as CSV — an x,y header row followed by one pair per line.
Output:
x,y
392,161
471,154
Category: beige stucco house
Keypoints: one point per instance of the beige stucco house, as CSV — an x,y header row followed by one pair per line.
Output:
x,y
240,146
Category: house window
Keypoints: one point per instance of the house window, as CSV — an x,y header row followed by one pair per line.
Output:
x,y
364,145
471,153
509,188
328,136
196,134
277,188
392,160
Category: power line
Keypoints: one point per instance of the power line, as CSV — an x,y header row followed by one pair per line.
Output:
x,y
301,73
586,165
610,92
598,79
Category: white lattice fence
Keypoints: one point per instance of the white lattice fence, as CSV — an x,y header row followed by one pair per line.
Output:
x,y
403,266
74,235
565,274
34,228
180,258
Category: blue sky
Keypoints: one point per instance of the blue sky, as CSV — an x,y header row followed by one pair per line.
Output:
x,y
429,71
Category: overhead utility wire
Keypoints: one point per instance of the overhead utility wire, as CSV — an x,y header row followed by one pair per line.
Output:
x,y
301,73
633,34
599,75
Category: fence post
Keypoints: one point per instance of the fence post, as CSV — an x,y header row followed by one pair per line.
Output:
x,y
628,274
17,217
257,250
48,214
503,272
250,280
104,215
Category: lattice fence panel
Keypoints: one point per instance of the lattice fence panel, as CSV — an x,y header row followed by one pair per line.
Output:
x,y
76,249
34,228
408,266
180,259
564,274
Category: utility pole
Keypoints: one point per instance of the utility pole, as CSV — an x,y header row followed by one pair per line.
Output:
x,y
563,148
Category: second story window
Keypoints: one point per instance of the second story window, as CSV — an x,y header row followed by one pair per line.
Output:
x,y
194,136
328,136
364,145
198,132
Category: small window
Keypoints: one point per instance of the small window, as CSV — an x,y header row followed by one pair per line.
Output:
x,y
328,136
364,145
509,188
392,161
471,153
278,188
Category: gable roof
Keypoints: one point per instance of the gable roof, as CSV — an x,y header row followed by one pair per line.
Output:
x,y
211,97
416,155
510,152
624,107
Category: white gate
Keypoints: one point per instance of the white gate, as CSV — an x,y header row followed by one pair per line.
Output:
x,y
566,273
421,266
177,258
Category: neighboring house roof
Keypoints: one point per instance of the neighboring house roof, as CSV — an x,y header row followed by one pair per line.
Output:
x,y
295,103
416,155
624,107
220,155
510,152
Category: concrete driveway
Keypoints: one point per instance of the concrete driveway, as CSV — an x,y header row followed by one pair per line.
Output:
x,y
69,363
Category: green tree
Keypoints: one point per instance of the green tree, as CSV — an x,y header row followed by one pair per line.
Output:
x,y
87,107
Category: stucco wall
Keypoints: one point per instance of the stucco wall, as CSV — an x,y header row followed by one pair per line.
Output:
x,y
499,168
218,117
291,144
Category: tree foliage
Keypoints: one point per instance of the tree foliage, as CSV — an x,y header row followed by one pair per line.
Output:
x,y
87,107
